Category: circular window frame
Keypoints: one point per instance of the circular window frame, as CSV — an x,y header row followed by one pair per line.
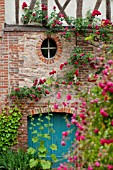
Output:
x,y
58,50
49,48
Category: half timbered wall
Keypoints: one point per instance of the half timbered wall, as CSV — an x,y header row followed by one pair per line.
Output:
x,y
75,8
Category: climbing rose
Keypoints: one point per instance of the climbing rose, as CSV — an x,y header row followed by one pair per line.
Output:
x,y
90,168
63,143
65,134
47,92
54,7
64,104
58,95
68,125
68,97
61,66
24,5
110,167
17,89
97,164
55,106
103,113
96,130
35,82
112,123
96,12
82,116
44,8
52,72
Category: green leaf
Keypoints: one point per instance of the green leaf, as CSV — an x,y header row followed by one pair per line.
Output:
x,y
31,151
47,136
33,162
42,149
45,164
34,132
35,139
53,147
54,158
49,81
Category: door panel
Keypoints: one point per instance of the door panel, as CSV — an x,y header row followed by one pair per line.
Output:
x,y
59,125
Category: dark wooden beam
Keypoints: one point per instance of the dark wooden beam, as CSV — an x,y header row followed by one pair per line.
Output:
x,y
32,4
98,3
108,9
62,9
79,8
17,11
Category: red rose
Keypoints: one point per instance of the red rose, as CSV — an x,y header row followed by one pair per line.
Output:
x,y
96,12
17,89
47,92
24,5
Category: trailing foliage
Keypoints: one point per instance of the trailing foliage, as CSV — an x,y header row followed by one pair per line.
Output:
x,y
9,123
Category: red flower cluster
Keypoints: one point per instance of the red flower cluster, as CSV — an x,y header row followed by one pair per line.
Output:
x,y
24,5
44,8
96,12
76,73
106,141
35,82
62,65
17,89
52,72
105,22
42,81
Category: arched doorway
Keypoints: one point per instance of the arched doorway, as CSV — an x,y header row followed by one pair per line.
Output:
x,y
59,125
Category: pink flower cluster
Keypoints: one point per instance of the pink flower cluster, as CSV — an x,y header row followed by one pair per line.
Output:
x,y
106,141
106,86
103,113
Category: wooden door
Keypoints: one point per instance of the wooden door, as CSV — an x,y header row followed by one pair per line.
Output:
x,y
59,125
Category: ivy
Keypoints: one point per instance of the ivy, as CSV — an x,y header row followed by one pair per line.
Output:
x,y
9,123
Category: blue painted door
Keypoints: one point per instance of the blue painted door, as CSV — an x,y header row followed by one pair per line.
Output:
x,y
59,125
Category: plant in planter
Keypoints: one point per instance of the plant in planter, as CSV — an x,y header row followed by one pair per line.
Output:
x,y
34,92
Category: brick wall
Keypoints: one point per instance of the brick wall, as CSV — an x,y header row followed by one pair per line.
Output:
x,y
3,55
22,62
2,17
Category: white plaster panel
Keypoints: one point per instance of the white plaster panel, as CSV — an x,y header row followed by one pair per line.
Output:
x,y
10,12
70,9
90,4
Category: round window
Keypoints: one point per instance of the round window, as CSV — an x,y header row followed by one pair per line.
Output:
x,y
48,48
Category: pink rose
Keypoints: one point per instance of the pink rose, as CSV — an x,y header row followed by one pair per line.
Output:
x,y
55,106
68,97
103,113
58,95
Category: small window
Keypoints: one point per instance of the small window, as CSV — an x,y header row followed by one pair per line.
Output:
x,y
49,48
